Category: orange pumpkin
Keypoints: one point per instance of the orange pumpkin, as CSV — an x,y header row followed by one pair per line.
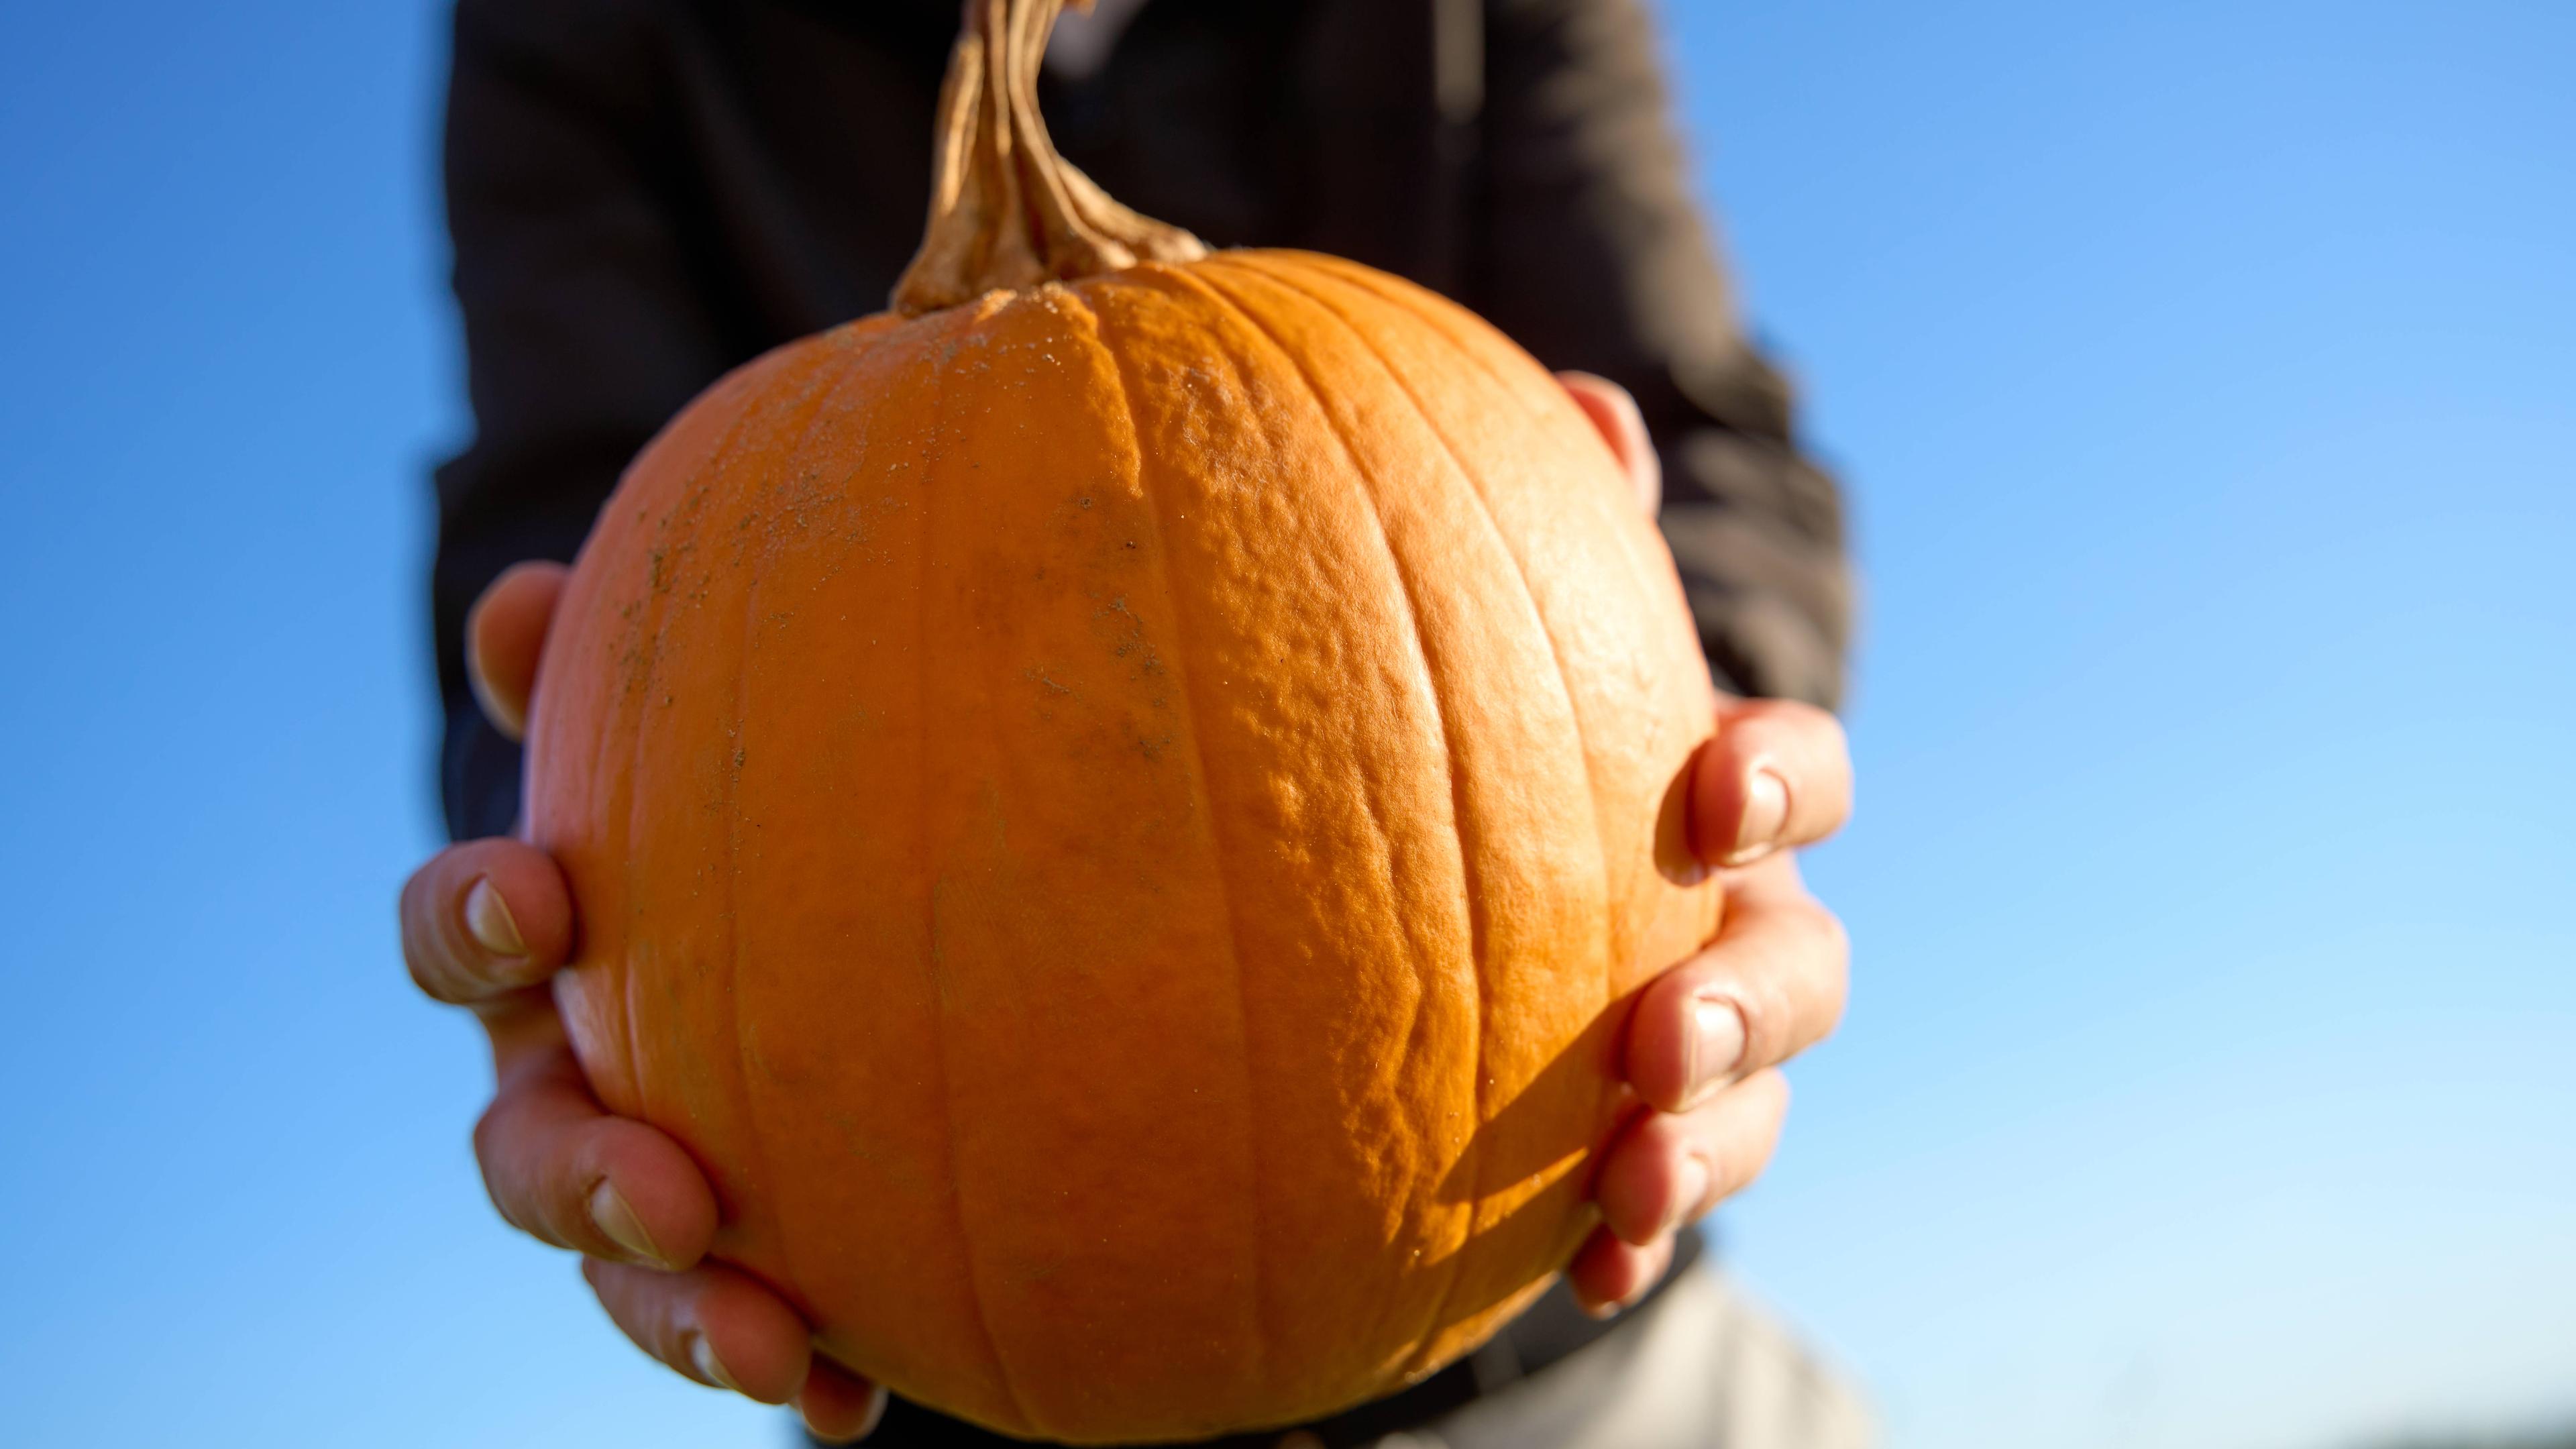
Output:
x,y
1109,808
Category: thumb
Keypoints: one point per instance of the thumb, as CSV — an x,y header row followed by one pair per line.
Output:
x,y
504,635
1623,427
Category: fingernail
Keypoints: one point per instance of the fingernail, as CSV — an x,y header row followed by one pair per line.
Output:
x,y
487,916
1690,1187
615,1217
1716,1045
876,1412
703,1354
1766,814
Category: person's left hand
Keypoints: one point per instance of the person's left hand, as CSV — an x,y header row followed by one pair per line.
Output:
x,y
1706,1038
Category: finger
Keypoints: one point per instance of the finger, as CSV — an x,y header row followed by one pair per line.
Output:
x,y
714,1324
484,919
1777,774
839,1407
1623,427
505,632
572,1175
1771,985
1669,1168
1608,1275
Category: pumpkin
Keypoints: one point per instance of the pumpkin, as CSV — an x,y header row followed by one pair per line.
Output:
x,y
1111,807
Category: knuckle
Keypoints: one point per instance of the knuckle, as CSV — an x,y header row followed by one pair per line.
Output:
x,y
1738,1153
443,978
415,919
1828,958
439,954
1718,1155
1817,726
1828,729
489,1129
1637,1188
431,980
1826,941
1732,1153
1661,1140
1773,1084
1767,1012
1774,717
1734,1169
532,1190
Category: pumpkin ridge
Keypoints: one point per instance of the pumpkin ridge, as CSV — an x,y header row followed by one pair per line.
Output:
x,y
927,488
1477,925
1644,547
1611,954
1162,559
657,604
833,375
1413,1322
1447,328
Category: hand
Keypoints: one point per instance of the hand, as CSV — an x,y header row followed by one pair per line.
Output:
x,y
1706,1039
484,924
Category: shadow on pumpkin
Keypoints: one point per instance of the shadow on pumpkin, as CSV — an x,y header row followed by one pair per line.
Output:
x,y
1674,859
1556,1127
1559,1124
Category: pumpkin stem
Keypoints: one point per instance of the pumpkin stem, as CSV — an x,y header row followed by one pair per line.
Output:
x,y
1005,210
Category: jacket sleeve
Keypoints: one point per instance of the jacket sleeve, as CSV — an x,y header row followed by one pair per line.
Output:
x,y
1591,253
584,329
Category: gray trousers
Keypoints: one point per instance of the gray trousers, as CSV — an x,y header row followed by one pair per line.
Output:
x,y
1708,1369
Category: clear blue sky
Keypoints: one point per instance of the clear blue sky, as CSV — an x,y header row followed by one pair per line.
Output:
x,y
2206,384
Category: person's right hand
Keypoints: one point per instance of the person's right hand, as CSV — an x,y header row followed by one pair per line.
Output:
x,y
484,925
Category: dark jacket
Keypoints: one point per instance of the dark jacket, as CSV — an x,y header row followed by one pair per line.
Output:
x,y
644,193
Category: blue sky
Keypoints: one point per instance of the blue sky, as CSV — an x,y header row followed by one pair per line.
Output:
x,y
2205,379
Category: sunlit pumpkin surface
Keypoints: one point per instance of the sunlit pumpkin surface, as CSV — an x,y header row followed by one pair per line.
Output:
x,y
1111,819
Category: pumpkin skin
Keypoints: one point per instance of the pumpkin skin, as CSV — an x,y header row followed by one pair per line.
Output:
x,y
1112,821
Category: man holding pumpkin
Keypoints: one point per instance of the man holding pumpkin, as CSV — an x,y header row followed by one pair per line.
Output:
x,y
643,197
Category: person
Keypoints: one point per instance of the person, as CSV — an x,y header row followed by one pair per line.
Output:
x,y
642,196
